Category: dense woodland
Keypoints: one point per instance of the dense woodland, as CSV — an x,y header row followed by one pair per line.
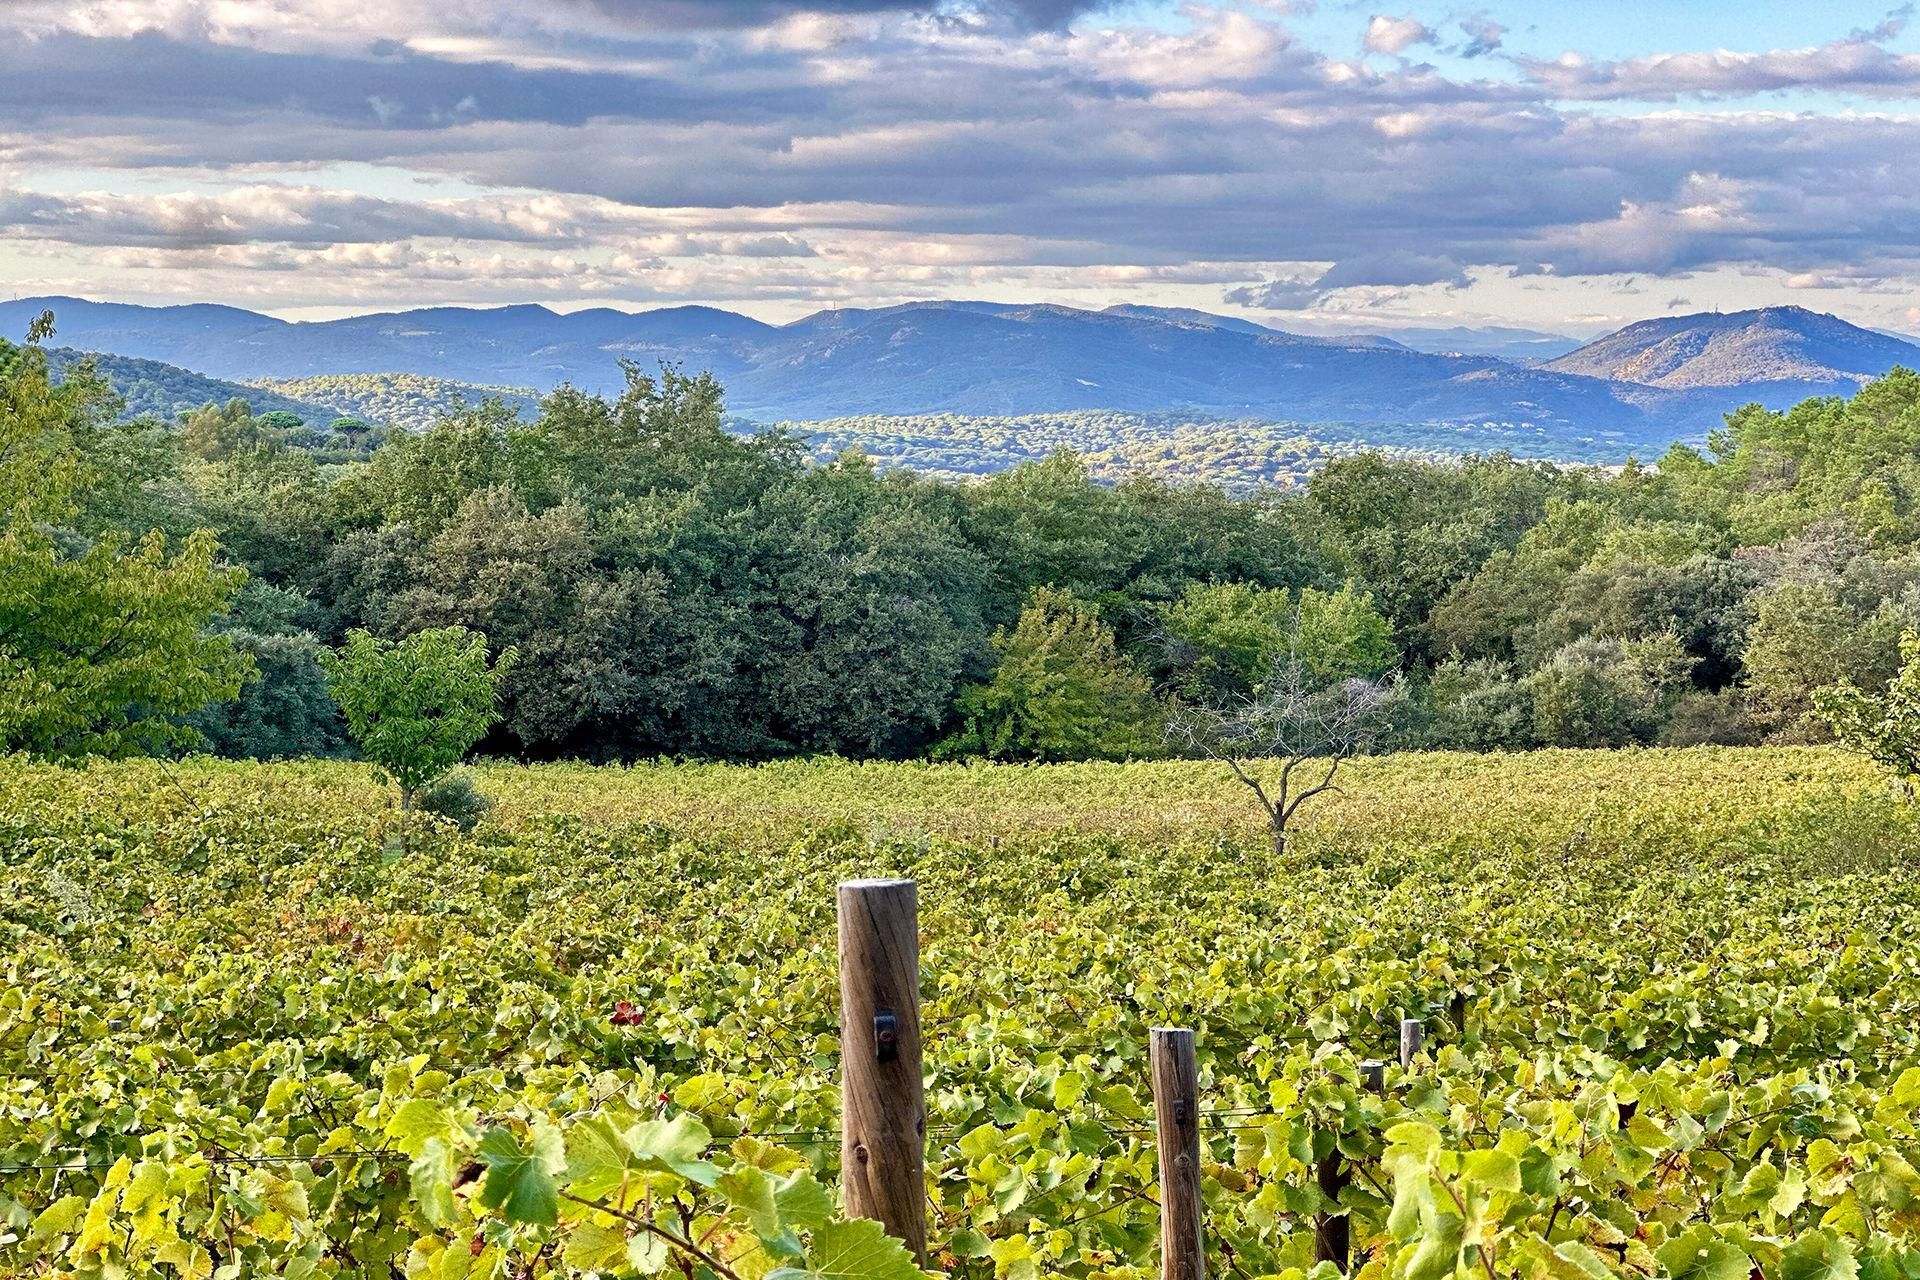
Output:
x,y
675,588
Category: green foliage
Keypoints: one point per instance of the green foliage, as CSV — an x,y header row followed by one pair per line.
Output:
x,y
1241,630
1806,636
1884,727
409,401
239,1040
1606,693
102,639
283,712
456,798
1478,705
149,388
1062,691
416,707
677,586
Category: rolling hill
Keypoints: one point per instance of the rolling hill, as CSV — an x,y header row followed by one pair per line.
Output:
x,y
410,400
166,391
1773,348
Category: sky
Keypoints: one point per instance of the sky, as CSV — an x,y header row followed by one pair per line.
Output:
x,y
1320,166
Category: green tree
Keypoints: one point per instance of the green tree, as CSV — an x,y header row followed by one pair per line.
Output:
x,y
1241,630
103,640
1885,727
416,707
1477,704
1063,691
1607,693
1808,635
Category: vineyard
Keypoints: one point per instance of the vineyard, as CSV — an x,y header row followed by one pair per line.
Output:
x,y
1669,1002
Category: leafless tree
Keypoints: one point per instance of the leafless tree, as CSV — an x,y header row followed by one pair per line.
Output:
x,y
1290,719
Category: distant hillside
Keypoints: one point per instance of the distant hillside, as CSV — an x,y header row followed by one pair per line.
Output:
x,y
997,359
410,400
166,391
1771,347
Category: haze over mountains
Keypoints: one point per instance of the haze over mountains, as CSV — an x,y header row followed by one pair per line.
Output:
x,y
1659,379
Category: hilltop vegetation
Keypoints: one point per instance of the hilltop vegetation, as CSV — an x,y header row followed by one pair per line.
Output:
x,y
151,389
410,401
1238,454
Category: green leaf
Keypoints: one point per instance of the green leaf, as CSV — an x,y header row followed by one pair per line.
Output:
x,y
416,1121
1818,1255
519,1182
1492,1169
803,1202
674,1146
432,1176
856,1250
1701,1254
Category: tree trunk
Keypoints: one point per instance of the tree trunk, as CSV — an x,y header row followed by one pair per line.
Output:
x,y
1279,836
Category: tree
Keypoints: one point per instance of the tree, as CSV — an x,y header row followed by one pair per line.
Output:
x,y
1477,704
103,640
1295,720
1806,636
1239,630
1063,691
416,707
1607,693
1885,727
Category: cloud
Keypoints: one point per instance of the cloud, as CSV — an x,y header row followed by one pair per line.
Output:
x,y
1856,65
1888,27
1484,36
1277,295
1394,267
863,153
1394,35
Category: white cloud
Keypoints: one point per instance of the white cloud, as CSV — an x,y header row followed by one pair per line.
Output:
x,y
1394,35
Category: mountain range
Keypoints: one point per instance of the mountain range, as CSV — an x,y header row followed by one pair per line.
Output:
x,y
1656,380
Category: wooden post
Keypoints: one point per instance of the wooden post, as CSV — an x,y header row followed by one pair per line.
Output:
x,y
1332,1233
1176,1116
883,1106
1413,1033
1373,1074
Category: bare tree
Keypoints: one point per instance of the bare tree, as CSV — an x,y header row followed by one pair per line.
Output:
x,y
1290,719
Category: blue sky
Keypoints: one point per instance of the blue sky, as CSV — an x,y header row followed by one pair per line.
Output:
x,y
1319,166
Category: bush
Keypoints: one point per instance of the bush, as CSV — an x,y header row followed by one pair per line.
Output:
x,y
1063,691
1721,719
456,799
1478,705
1607,693
284,714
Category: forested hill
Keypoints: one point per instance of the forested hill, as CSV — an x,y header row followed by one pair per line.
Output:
x,y
165,391
408,400
949,357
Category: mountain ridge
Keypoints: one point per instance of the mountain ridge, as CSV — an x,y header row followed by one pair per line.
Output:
x,y
1013,358
1753,348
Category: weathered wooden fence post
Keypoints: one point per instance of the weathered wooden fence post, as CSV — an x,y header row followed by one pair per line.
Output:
x,y
1413,1034
1176,1116
883,1106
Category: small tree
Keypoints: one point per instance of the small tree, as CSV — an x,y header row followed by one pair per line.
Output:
x,y
1063,691
1886,727
1290,719
416,707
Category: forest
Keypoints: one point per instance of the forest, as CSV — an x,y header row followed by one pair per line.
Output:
x,y
673,588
